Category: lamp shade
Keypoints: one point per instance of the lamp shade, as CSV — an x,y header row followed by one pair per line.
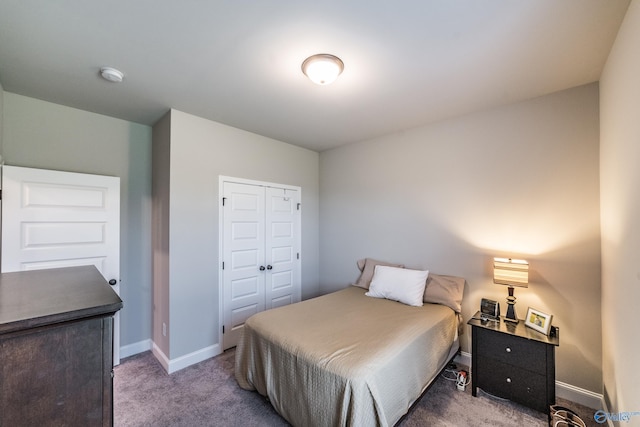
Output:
x,y
511,272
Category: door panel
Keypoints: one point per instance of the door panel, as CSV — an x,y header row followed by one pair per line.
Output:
x,y
54,219
282,301
61,263
243,281
48,235
283,223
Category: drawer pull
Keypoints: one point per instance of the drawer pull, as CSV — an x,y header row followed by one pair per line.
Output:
x,y
509,380
508,349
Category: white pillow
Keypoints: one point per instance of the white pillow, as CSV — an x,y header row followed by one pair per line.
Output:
x,y
398,284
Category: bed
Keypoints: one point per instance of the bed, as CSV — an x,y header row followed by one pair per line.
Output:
x,y
347,358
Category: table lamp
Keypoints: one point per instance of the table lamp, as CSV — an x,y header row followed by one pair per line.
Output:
x,y
511,272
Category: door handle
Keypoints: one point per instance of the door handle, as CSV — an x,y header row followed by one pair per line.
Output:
x,y
113,282
262,268
269,267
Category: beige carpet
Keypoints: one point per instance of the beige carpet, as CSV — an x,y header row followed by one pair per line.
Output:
x,y
207,394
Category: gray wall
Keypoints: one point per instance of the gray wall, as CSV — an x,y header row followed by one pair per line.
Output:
x,y
519,181
201,151
620,207
1,116
43,135
161,197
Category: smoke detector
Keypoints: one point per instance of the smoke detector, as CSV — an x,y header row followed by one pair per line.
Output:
x,y
111,74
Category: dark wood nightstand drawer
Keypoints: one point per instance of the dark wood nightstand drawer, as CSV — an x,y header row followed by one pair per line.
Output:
x,y
513,383
514,362
512,350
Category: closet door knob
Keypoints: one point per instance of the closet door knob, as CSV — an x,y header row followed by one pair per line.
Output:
x,y
269,267
262,268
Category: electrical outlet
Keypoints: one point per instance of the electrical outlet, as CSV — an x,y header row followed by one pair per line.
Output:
x,y
164,329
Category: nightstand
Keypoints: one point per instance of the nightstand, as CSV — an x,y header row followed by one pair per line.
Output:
x,y
513,361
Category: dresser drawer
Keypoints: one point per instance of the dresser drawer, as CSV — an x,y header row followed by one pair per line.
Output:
x,y
515,384
516,351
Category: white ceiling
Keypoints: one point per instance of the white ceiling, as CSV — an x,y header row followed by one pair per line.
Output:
x,y
407,63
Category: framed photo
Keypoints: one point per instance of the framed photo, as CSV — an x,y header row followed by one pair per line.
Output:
x,y
538,320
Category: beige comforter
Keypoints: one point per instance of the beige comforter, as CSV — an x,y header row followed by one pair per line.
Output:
x,y
344,358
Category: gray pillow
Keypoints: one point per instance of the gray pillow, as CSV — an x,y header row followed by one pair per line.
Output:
x,y
367,267
445,290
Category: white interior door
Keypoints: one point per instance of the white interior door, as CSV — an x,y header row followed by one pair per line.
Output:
x,y
53,219
260,253
282,251
244,268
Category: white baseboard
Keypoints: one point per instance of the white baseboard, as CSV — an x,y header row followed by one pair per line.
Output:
x,y
135,348
579,395
162,358
463,358
563,390
173,365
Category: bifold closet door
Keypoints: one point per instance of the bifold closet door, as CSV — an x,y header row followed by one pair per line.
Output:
x,y
282,284
261,251
243,246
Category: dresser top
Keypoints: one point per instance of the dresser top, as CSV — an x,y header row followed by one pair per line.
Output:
x,y
35,298
517,329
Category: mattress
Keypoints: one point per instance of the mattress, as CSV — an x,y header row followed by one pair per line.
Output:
x,y
344,358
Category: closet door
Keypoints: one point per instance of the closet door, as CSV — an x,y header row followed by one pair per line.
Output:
x,y
260,253
282,251
244,266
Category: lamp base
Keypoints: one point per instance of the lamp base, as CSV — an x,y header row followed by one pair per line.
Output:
x,y
511,310
511,314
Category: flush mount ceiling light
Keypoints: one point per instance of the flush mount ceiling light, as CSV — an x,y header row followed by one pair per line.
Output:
x,y
111,74
322,68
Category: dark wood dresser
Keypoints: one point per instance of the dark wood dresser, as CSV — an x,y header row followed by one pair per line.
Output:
x,y
514,362
56,348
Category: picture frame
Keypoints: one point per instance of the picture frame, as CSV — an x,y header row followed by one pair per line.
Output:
x,y
538,320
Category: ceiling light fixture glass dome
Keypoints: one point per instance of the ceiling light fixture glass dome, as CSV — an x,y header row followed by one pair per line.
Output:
x,y
322,68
